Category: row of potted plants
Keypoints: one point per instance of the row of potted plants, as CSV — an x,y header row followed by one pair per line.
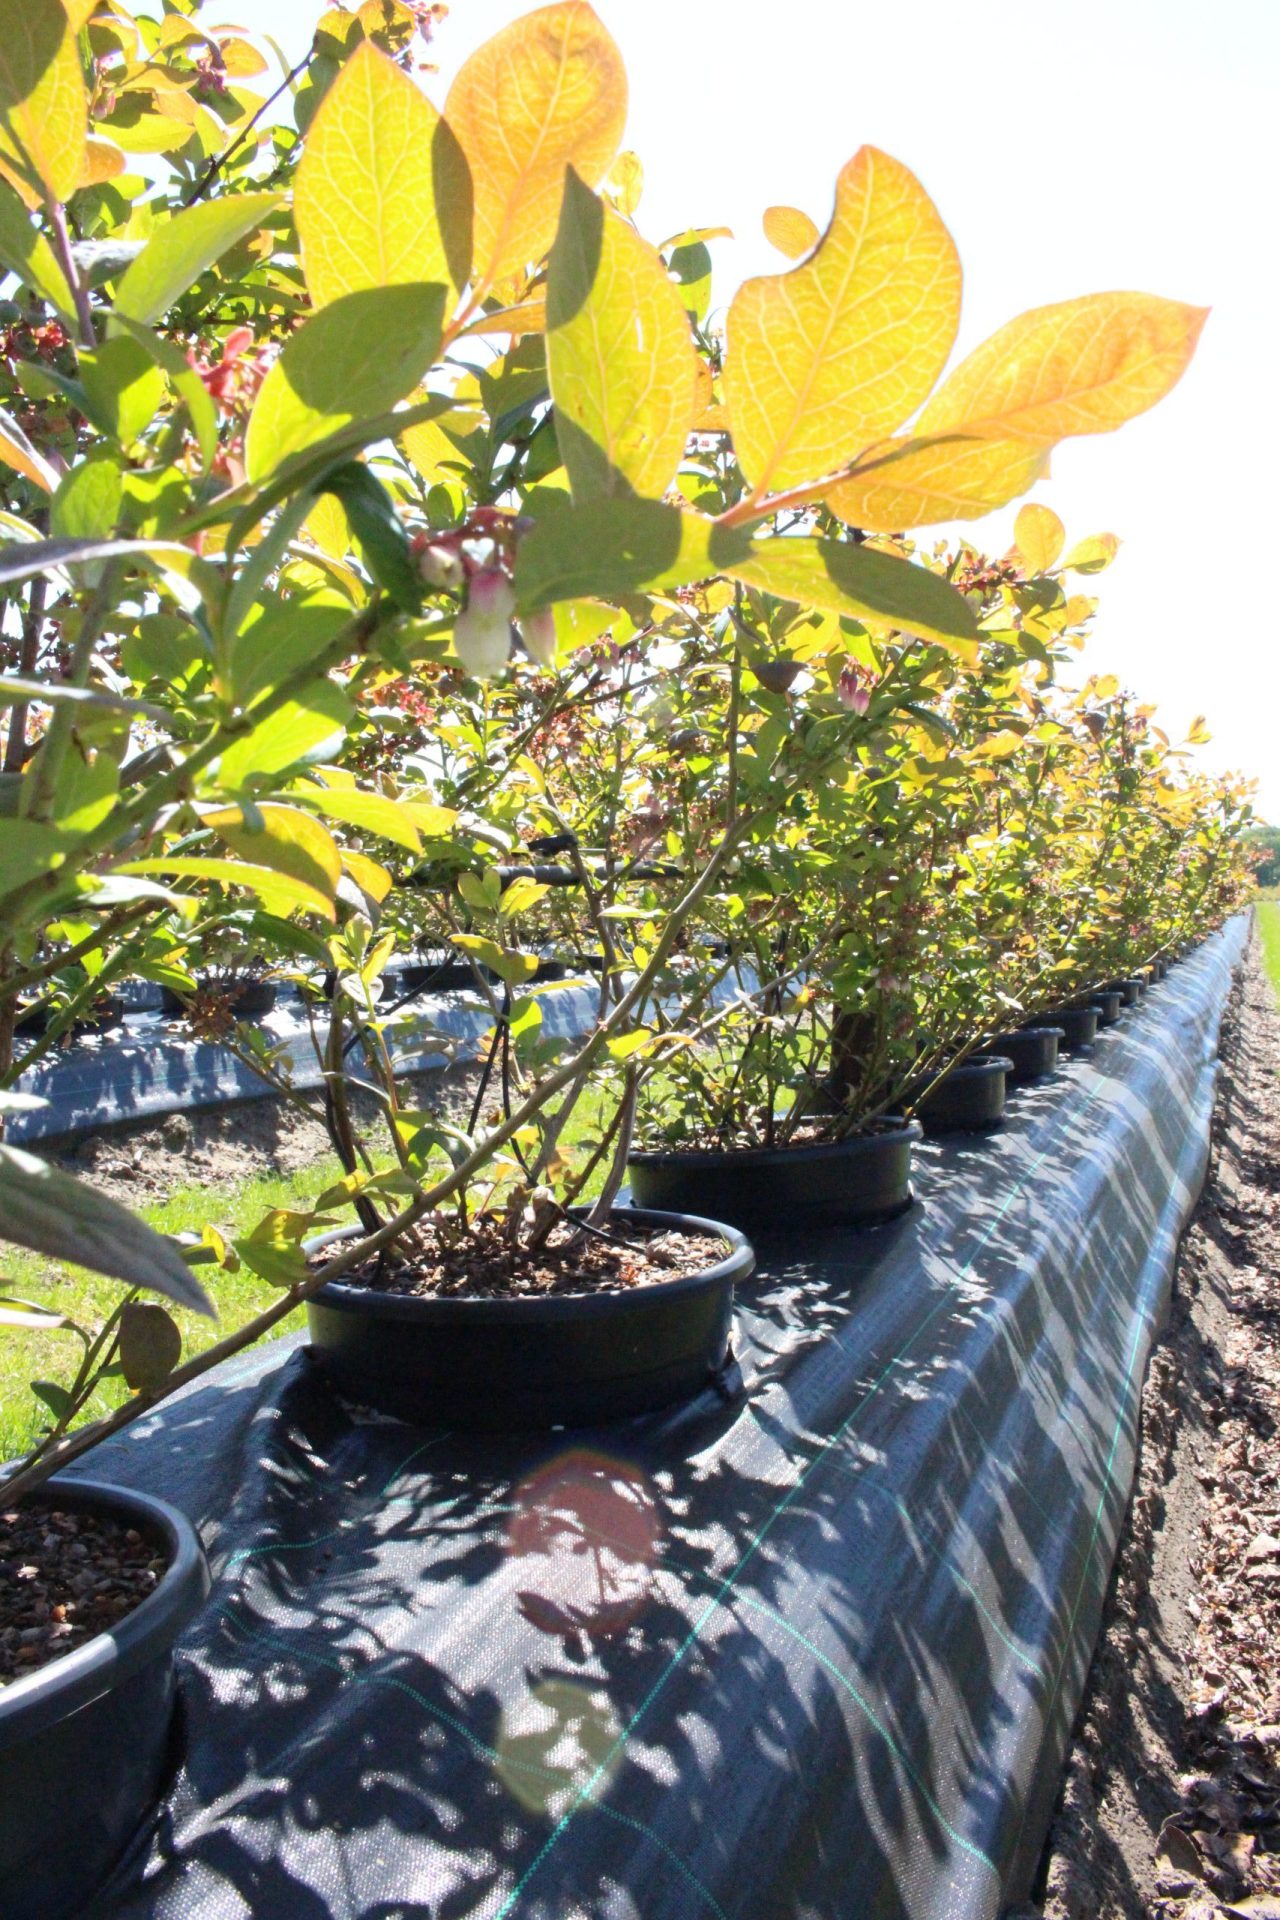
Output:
x,y
401,557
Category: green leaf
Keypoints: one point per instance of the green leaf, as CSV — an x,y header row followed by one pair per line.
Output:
x,y
48,1212
842,577
513,967
25,251
184,380
56,1398
181,249
124,385
150,1345
623,1045
620,356
308,727
372,812
279,892
87,503
352,360
608,548
384,542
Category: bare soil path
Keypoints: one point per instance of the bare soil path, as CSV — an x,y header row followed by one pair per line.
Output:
x,y
1170,1808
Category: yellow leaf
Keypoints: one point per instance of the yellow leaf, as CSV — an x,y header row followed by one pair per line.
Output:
x,y
790,231
626,183
1092,555
547,92
327,525
833,355
279,892
528,316
1081,366
1039,536
43,105
17,451
283,838
917,482
369,876
381,197
103,160
239,59
620,356
1198,734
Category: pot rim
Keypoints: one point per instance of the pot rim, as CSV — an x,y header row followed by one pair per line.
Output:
x,y
893,1129
738,1264
63,1686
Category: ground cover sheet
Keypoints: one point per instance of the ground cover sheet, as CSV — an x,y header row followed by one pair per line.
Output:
x,y
809,1654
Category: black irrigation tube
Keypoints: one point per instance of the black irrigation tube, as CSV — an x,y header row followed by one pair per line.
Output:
x,y
816,1653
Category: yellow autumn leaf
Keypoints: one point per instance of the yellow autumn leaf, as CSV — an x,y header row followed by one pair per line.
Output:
x,y
790,231
103,160
43,105
917,483
1039,536
620,357
1092,555
285,839
547,92
17,451
527,316
831,356
1198,734
381,197
1081,366
625,183
369,875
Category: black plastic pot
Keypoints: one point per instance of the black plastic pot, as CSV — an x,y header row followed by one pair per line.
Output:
x,y
858,1181
564,1360
249,1002
1108,1001
438,976
106,1012
1130,990
970,1099
1077,1025
1032,1051
85,1742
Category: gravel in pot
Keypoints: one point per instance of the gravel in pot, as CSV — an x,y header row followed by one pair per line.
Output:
x,y
96,1584
860,1180
477,1341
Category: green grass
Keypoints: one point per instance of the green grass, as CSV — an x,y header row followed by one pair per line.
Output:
x,y
1269,928
87,1299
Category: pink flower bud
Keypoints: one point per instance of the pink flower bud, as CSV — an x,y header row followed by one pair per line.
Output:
x,y
851,692
438,566
538,631
482,636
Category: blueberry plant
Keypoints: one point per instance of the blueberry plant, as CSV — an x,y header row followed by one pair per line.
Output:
x,y
380,508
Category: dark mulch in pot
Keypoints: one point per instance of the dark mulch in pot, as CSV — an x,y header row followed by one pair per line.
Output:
x,y
63,1578
480,1264
1170,1808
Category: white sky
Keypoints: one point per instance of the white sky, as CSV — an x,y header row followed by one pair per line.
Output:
x,y
1072,146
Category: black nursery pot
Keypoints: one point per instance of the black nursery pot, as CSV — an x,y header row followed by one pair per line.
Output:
x,y
249,1002
1032,1051
1077,1025
1108,1001
85,1742
1130,990
858,1181
971,1098
438,976
560,1360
